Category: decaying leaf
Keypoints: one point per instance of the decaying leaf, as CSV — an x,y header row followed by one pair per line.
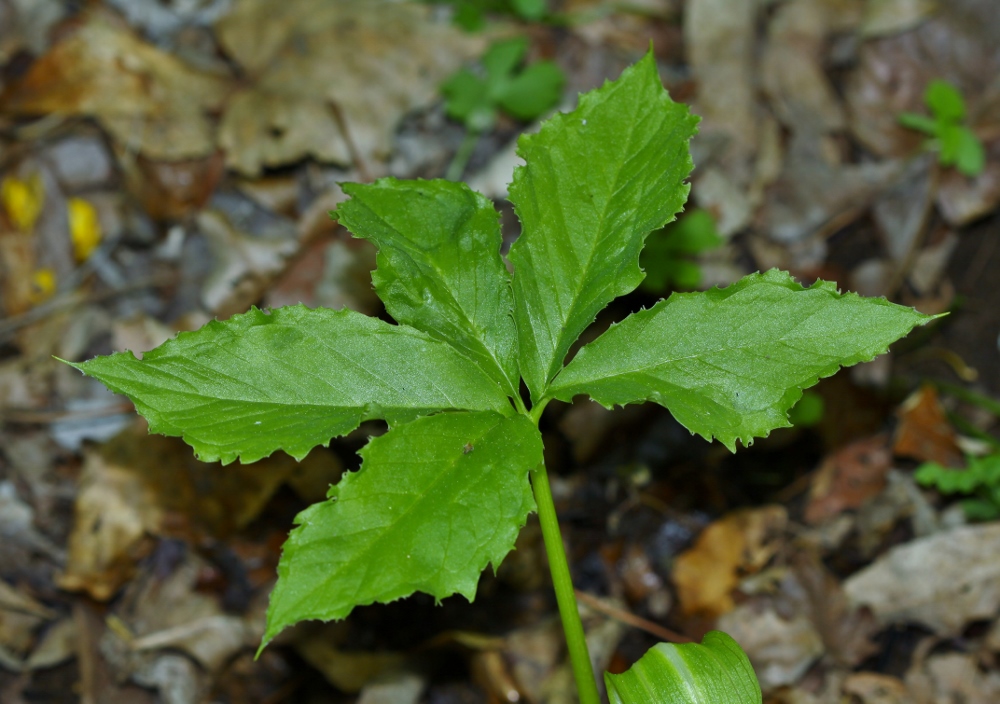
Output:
x,y
138,485
875,688
781,649
739,543
150,101
952,677
942,582
314,64
848,478
924,432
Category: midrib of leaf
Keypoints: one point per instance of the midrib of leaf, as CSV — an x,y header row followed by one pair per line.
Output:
x,y
748,347
407,248
417,505
604,235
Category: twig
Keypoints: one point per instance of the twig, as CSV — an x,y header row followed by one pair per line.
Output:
x,y
72,299
29,416
352,148
631,619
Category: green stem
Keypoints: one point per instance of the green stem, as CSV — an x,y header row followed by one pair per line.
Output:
x,y
576,643
461,159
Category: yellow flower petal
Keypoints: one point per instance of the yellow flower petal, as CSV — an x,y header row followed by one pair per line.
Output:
x,y
84,228
44,282
23,201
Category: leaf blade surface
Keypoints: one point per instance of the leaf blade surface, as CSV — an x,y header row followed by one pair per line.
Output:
x,y
434,502
439,266
596,181
729,363
715,671
291,379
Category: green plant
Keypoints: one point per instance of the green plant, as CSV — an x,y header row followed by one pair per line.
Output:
x,y
957,145
475,99
667,256
980,480
470,15
445,491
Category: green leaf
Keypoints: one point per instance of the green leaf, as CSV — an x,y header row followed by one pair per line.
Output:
x,y
530,9
945,101
434,502
291,379
535,90
596,181
920,123
970,158
439,266
730,362
503,57
465,93
716,671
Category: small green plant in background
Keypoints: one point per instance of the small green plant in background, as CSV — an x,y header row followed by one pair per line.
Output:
x,y
446,490
471,15
668,257
979,481
503,85
955,143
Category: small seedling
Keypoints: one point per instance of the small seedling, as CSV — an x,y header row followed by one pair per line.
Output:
x,y
956,144
980,481
470,15
475,99
446,490
668,257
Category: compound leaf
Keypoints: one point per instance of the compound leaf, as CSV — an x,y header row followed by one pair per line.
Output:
x,y
716,671
439,266
290,380
596,181
729,363
434,502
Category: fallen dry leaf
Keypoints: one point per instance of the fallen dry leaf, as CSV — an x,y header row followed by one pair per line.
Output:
x,y
313,64
848,478
738,544
150,101
780,649
924,432
963,200
875,688
952,677
942,582
244,263
171,190
720,39
846,632
138,485
793,64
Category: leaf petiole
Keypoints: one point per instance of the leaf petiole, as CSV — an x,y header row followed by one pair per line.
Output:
x,y
576,643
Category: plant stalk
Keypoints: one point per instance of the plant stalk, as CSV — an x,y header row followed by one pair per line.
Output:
x,y
461,159
576,643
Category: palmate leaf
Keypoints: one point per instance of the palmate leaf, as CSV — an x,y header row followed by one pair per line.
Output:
x,y
729,363
292,379
596,181
715,671
434,502
439,266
